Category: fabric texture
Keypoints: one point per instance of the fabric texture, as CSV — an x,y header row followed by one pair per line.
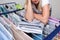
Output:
x,y
6,33
18,35
6,25
44,2
3,36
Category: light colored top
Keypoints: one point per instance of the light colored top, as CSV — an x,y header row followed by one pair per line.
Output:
x,y
44,2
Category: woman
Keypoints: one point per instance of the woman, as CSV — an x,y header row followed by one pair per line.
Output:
x,y
39,10
40,5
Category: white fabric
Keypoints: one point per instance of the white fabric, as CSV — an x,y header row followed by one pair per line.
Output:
x,y
44,2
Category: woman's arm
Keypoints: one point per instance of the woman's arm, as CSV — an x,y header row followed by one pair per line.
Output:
x,y
29,11
45,14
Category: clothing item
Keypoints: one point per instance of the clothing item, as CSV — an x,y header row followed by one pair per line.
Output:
x,y
18,6
20,35
37,36
44,2
7,34
35,10
14,18
50,27
3,36
10,7
6,25
2,10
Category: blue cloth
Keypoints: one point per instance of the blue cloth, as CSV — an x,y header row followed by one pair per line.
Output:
x,y
6,33
37,36
3,36
2,10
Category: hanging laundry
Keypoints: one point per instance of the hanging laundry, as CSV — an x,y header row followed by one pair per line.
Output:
x,y
6,32
6,25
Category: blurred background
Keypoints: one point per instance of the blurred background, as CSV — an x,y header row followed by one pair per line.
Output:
x,y
53,3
